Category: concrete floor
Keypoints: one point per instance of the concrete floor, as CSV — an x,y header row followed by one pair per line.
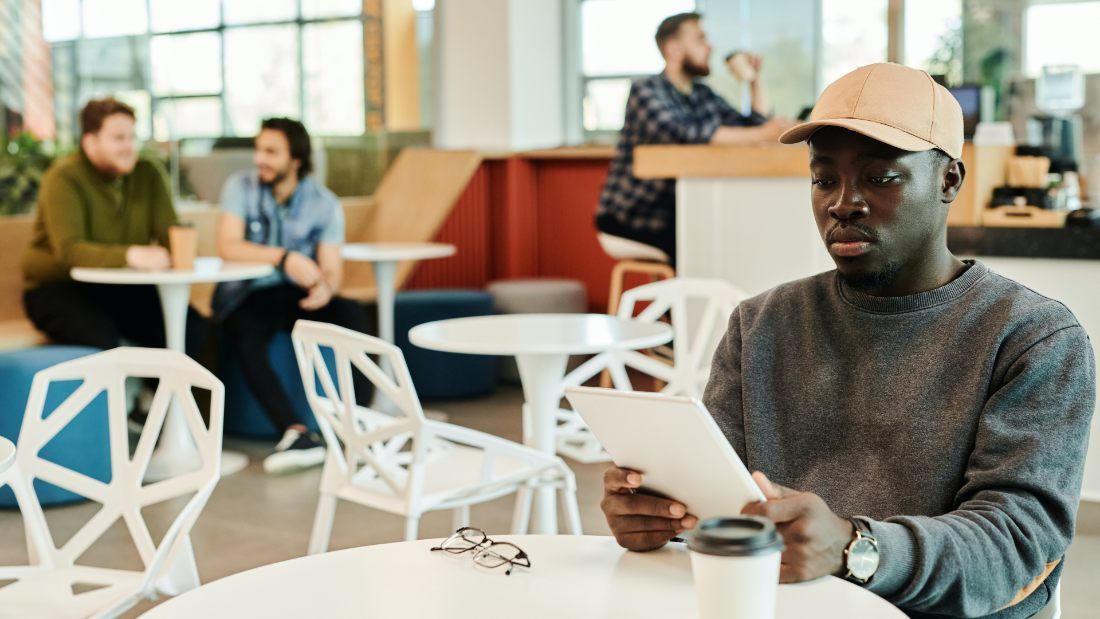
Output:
x,y
253,519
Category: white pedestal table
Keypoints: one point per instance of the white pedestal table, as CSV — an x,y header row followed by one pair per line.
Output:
x,y
583,577
541,344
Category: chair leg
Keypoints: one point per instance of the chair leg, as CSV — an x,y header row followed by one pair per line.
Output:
x,y
412,528
615,293
572,512
656,271
614,297
521,515
322,524
460,517
34,521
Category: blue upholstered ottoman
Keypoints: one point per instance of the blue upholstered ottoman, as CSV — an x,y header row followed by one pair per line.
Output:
x,y
440,375
82,446
243,415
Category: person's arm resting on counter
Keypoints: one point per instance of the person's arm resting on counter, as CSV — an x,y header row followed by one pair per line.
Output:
x,y
664,125
1015,511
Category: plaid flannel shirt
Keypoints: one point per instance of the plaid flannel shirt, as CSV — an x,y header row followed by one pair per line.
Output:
x,y
658,113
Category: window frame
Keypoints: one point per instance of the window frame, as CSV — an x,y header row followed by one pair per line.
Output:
x,y
575,108
363,17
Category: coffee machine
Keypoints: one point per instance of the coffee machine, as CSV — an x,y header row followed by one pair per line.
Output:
x,y
1057,131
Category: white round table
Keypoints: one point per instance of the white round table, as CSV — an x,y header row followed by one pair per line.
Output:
x,y
542,344
7,455
576,577
384,258
175,452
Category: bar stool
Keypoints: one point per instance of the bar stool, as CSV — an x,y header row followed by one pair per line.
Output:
x,y
632,257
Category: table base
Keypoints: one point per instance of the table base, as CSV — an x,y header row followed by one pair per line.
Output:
x,y
166,465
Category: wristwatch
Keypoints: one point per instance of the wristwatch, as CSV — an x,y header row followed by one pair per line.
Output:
x,y
861,555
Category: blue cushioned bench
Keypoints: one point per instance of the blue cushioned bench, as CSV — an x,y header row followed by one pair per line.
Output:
x,y
82,446
439,375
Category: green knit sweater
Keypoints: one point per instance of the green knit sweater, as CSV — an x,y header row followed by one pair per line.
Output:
x,y
87,219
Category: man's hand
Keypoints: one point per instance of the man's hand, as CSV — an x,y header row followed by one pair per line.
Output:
x,y
148,257
815,537
639,521
745,66
319,296
302,270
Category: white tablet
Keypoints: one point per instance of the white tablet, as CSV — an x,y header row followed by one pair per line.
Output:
x,y
674,442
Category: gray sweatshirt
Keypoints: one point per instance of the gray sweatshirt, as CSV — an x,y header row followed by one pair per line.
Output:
x,y
953,422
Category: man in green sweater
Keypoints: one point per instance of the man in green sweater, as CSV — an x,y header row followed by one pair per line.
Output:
x,y
101,207
927,418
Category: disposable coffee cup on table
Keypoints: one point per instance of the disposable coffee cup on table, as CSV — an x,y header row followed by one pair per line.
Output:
x,y
735,564
183,244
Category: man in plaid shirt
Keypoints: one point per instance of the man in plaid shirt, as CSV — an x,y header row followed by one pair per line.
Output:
x,y
673,108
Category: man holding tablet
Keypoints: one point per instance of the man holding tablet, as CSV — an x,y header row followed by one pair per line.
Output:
x,y
927,418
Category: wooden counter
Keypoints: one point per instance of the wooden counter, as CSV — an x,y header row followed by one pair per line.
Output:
x,y
712,161
984,165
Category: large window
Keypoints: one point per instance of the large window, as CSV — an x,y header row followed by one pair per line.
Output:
x,y
616,47
933,37
211,68
1073,25
853,33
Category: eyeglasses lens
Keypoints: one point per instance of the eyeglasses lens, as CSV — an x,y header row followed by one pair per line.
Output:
x,y
496,555
464,540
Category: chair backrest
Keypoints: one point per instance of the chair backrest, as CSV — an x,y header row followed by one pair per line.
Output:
x,y
699,310
124,495
381,439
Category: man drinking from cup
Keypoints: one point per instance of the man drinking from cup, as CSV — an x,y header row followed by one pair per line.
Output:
x,y
102,206
918,422
675,107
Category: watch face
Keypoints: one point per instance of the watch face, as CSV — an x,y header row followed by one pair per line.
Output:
x,y
863,559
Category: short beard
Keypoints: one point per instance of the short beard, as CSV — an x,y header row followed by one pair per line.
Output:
x,y
870,282
279,177
695,70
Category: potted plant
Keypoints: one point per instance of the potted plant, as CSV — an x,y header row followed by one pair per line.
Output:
x,y
23,161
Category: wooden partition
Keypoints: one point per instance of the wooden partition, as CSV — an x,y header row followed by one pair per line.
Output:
x,y
414,200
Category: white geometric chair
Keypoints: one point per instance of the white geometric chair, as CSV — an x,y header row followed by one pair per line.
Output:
x,y
699,310
403,463
55,582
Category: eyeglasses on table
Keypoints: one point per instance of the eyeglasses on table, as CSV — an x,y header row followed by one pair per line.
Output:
x,y
487,553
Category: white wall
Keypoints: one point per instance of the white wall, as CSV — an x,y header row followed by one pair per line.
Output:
x,y
536,74
499,77
472,101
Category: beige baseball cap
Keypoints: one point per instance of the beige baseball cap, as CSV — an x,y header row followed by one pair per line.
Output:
x,y
891,103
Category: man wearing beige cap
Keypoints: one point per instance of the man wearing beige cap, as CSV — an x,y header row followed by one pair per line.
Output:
x,y
926,417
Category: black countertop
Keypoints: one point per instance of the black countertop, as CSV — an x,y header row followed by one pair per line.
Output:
x,y
1064,243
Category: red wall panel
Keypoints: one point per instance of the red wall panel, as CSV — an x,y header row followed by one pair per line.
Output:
x,y
522,217
468,228
567,194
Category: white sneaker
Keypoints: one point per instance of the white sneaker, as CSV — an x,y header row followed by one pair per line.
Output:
x,y
296,451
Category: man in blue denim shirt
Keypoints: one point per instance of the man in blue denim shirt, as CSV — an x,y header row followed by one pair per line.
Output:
x,y
674,108
281,215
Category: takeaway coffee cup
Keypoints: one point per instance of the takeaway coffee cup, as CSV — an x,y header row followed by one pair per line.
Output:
x,y
735,563
183,244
